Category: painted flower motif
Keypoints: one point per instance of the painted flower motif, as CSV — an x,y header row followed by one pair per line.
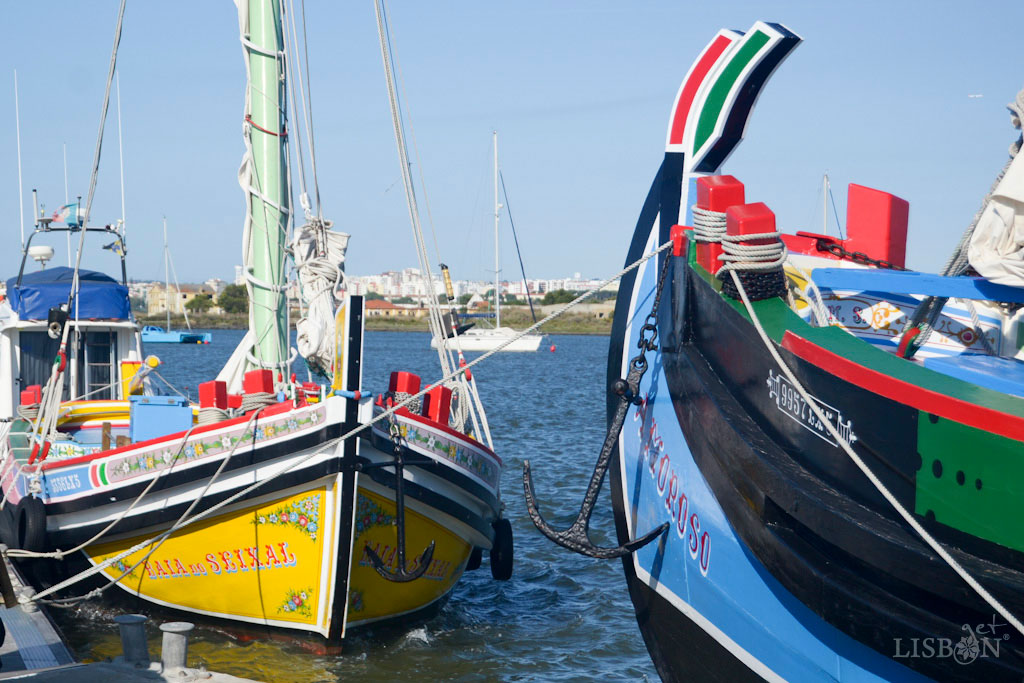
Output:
x,y
260,434
314,418
199,449
263,520
150,463
311,527
225,443
302,520
125,467
190,451
298,601
273,518
292,424
293,517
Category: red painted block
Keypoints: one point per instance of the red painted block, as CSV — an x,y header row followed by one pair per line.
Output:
x,y
876,224
678,236
405,382
32,395
213,394
437,404
750,219
716,193
258,381
234,400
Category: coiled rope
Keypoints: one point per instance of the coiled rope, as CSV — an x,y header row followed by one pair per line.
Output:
x,y
708,226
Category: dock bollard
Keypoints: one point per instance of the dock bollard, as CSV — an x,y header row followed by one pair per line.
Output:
x,y
133,639
174,653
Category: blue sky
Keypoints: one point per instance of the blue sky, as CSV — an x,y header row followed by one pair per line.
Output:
x,y
878,94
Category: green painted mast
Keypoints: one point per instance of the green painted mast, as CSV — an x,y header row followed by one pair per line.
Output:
x,y
264,177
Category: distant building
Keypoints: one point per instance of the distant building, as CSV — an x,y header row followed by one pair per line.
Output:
x,y
380,308
159,298
239,275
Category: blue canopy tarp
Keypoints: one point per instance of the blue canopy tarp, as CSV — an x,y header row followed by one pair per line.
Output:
x,y
100,296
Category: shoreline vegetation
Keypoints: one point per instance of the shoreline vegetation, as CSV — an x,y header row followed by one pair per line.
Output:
x,y
573,323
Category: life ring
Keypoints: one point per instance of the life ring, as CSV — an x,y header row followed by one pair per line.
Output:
x,y
501,551
30,524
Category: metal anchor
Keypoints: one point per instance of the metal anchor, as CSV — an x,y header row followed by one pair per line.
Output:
x,y
577,537
401,575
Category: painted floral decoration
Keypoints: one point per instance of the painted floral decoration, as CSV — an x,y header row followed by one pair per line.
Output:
x,y
369,515
298,601
303,514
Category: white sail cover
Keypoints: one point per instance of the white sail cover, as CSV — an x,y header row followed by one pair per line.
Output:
x,y
319,255
996,250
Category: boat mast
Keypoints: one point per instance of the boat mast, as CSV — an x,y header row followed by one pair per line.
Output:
x,y
21,192
167,277
265,181
497,208
824,204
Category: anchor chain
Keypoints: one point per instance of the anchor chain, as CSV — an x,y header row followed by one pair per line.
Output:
x,y
401,574
577,536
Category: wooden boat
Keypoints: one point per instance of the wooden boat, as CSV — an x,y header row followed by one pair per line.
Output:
x,y
806,486
273,502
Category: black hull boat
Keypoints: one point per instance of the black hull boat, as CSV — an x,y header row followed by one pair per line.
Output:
x,y
811,478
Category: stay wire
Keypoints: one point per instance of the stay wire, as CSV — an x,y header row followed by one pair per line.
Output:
x,y
522,268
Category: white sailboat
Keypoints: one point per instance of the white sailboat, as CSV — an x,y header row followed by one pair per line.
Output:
x,y
489,339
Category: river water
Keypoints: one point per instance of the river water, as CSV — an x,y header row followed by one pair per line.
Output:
x,y
560,617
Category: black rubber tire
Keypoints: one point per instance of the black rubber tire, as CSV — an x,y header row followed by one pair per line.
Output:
x,y
476,558
501,551
30,524
8,534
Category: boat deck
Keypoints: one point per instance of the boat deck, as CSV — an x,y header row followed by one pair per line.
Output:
x,y
32,641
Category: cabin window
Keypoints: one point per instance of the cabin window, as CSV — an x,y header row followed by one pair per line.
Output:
x,y
97,363
37,354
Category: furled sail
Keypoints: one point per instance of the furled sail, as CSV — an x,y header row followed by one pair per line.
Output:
x,y
996,250
319,255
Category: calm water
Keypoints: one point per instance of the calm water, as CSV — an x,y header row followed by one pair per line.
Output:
x,y
560,617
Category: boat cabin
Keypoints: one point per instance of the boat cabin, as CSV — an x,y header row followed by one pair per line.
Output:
x,y
104,348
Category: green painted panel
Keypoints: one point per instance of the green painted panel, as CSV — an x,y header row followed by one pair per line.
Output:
x,y
971,480
269,222
715,101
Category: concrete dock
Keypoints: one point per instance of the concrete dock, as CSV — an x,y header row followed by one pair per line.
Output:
x,y
34,649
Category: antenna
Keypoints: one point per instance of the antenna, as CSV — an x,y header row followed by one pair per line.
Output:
x,y
120,153
66,199
21,193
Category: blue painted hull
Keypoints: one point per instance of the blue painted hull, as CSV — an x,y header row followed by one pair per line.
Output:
x,y
737,587
152,337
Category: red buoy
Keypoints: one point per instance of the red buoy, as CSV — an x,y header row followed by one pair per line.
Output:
x,y
552,348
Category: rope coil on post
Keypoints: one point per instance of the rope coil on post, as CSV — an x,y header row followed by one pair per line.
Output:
x,y
708,226
758,266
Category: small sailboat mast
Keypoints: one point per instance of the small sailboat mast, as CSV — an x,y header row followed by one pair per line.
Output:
x,y
497,262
